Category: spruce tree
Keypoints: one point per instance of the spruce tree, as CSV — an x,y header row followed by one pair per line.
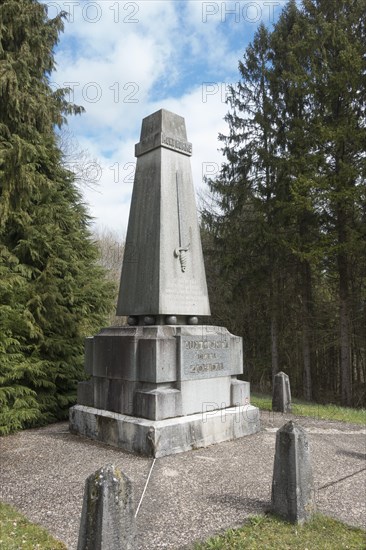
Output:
x,y
253,195
52,292
292,91
245,215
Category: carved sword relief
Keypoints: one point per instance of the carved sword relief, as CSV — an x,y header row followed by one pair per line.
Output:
x,y
181,252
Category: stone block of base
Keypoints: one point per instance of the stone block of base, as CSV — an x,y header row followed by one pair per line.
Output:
x,y
164,437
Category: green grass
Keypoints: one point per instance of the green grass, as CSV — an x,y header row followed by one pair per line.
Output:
x,y
270,533
323,412
18,533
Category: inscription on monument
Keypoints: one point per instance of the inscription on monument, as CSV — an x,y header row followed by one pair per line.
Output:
x,y
177,144
204,356
160,139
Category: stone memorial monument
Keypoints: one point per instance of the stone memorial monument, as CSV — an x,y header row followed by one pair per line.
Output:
x,y
165,383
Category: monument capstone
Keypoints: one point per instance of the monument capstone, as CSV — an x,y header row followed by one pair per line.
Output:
x,y
164,384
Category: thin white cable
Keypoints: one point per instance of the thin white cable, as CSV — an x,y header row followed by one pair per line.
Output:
x,y
146,484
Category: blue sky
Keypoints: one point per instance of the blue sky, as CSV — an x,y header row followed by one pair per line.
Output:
x,y
125,60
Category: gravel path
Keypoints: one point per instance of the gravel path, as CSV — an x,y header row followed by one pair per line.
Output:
x,y
191,495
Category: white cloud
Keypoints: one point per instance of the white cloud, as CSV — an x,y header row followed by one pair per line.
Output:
x,y
109,201
129,59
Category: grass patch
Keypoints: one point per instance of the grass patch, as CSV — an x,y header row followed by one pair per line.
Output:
x,y
315,410
17,532
270,533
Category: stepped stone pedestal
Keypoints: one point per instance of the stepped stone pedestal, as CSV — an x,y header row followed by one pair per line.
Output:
x,y
164,384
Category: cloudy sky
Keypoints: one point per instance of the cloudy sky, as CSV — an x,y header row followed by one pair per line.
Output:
x,y
125,60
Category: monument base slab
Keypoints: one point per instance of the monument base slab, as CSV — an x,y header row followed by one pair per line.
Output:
x,y
157,438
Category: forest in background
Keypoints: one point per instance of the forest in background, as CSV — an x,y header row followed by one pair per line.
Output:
x,y
284,225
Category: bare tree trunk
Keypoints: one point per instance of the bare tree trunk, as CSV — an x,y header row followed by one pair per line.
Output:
x,y
306,330
274,345
344,329
306,354
344,217
346,388
274,331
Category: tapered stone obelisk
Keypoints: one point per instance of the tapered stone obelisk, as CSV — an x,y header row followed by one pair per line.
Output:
x,y
164,384
163,272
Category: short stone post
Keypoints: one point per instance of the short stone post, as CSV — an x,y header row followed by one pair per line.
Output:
x,y
107,519
281,398
292,483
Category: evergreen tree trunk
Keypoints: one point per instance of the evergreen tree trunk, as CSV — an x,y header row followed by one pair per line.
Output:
x,y
274,330
306,330
344,326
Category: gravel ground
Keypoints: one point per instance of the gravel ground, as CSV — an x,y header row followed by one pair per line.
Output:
x,y
190,496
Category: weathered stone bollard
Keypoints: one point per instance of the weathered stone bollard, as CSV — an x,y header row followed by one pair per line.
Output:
x,y
107,519
281,398
292,483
